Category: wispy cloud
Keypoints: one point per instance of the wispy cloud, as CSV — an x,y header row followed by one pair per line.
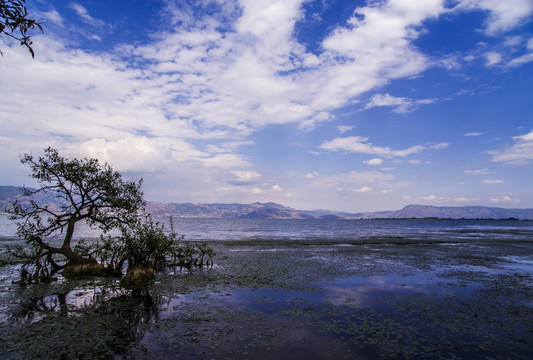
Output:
x,y
344,128
519,153
400,104
358,144
478,172
84,15
465,199
492,181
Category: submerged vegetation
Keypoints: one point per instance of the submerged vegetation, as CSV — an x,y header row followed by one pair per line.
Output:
x,y
290,300
97,195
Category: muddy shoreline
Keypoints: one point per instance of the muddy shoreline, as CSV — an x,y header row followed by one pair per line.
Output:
x,y
387,298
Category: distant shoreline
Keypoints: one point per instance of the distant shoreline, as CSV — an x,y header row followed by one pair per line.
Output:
x,y
271,210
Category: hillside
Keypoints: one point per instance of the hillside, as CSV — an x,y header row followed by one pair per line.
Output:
x,y
270,210
463,212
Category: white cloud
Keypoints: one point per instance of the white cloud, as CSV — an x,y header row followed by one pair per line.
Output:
x,y
520,153
503,15
492,58
504,199
312,175
465,199
84,15
245,177
478,172
374,161
358,144
431,198
438,146
134,154
277,188
199,82
309,124
364,189
226,161
473,134
400,104
521,60
344,128
151,107
52,16
492,181
348,180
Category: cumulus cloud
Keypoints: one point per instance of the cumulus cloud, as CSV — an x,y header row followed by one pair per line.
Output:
x,y
133,154
200,81
519,153
277,188
431,198
374,161
364,189
358,144
244,177
504,199
216,78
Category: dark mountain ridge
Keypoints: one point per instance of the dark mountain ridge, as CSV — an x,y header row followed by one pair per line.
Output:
x,y
270,210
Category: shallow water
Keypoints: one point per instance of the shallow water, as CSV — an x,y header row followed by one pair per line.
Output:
x,y
441,290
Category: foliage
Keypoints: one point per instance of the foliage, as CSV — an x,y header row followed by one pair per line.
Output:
x,y
14,18
90,192
87,191
147,244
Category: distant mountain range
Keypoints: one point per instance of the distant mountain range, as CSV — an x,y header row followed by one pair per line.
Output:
x,y
270,210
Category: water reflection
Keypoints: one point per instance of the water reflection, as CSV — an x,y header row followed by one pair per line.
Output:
x,y
100,322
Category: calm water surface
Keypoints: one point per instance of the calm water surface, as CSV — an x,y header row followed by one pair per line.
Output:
x,y
337,230
295,289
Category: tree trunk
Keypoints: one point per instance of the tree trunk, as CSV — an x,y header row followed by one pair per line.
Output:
x,y
74,259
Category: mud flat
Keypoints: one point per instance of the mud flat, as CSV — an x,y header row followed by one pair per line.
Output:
x,y
382,298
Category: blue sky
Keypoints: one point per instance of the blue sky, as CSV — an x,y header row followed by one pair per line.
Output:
x,y
341,105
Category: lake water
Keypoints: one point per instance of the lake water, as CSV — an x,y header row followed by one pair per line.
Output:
x,y
295,289
334,230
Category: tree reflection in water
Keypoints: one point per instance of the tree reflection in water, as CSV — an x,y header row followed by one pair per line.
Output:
x,y
96,323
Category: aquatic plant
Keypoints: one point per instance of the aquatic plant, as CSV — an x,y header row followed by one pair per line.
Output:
x,y
146,247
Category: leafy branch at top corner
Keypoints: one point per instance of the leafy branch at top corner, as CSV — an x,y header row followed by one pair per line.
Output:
x,y
15,23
